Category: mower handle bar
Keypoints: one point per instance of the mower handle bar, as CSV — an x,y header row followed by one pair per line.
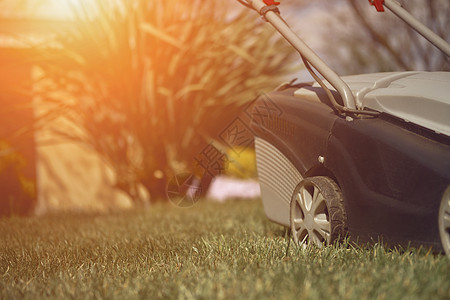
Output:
x,y
267,8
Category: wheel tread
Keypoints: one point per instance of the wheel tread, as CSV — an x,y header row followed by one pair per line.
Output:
x,y
334,200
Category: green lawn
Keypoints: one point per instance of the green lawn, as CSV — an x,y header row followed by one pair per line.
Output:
x,y
209,251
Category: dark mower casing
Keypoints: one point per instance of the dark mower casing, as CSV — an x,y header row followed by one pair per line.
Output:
x,y
392,173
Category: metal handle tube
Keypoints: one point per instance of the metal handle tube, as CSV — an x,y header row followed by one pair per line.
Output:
x,y
280,25
418,26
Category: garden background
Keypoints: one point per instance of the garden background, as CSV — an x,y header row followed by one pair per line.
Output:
x,y
104,102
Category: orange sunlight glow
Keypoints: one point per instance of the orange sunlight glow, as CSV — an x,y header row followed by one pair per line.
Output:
x,y
58,9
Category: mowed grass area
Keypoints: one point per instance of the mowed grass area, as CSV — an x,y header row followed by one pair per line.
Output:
x,y
209,251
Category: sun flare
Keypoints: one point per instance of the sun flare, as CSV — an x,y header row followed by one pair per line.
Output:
x,y
59,9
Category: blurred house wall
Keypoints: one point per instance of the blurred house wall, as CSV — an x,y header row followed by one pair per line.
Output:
x,y
66,176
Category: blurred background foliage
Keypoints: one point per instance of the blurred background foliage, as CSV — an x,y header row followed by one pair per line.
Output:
x,y
365,40
241,163
148,84
18,191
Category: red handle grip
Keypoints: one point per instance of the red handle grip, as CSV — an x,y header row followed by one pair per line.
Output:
x,y
378,4
271,2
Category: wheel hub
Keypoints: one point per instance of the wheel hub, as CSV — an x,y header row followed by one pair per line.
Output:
x,y
309,222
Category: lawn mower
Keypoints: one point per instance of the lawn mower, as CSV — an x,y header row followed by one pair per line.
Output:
x,y
365,156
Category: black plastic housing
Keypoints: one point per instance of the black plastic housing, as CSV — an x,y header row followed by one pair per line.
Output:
x,y
392,173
